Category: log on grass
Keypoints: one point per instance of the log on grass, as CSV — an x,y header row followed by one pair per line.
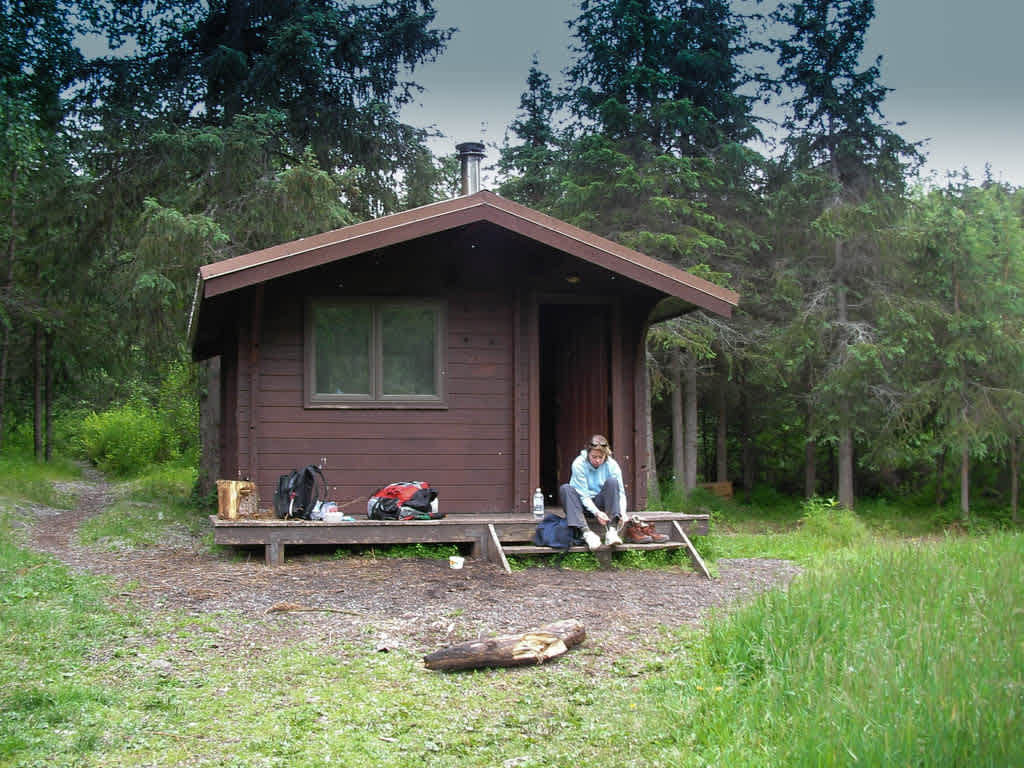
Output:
x,y
533,647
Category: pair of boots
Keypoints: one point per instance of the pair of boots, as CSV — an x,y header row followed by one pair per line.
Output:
x,y
638,531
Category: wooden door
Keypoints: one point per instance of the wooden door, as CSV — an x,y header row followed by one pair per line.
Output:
x,y
575,390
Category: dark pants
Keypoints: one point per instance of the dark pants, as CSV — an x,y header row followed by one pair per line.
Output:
x,y
607,501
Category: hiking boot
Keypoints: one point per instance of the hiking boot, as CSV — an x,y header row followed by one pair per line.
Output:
x,y
635,534
648,529
592,540
611,537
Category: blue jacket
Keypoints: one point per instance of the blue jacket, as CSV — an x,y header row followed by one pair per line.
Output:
x,y
588,480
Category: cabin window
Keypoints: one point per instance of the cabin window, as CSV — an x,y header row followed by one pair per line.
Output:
x,y
374,352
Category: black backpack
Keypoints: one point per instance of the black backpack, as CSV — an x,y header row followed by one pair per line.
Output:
x,y
298,493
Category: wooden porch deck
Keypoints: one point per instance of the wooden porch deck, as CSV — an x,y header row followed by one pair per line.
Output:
x,y
490,537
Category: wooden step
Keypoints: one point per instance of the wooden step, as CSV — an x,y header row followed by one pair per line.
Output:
x,y
533,549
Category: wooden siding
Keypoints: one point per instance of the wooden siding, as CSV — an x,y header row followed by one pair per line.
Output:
x,y
465,450
482,448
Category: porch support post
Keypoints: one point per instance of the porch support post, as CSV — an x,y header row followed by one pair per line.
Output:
x,y
255,336
533,368
519,493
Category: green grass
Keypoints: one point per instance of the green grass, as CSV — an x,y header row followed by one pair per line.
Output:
x,y
882,653
23,478
900,655
903,654
152,507
84,685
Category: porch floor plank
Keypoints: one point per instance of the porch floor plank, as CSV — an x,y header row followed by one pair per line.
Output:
x,y
490,535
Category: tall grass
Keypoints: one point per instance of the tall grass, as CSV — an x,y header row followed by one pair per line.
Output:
x,y
893,655
24,478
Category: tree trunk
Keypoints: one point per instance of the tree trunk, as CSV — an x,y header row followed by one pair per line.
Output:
x,y
652,463
678,449
965,475
37,393
965,480
209,426
48,404
748,456
690,477
810,456
534,647
811,446
721,430
845,433
5,341
1015,480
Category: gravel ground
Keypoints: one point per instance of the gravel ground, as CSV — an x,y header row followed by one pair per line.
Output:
x,y
387,603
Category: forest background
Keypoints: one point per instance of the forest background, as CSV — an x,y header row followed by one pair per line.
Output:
x,y
878,350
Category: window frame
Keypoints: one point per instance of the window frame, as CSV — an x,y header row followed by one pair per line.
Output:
x,y
376,399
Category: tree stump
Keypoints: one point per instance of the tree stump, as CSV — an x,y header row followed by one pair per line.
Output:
x,y
533,647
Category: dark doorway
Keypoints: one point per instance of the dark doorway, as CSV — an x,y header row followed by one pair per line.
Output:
x,y
575,386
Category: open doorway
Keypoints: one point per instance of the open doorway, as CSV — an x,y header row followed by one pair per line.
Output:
x,y
575,386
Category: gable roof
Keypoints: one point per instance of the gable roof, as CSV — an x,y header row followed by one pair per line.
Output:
x,y
280,260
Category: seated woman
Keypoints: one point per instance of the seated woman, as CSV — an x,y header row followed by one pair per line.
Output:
x,y
595,490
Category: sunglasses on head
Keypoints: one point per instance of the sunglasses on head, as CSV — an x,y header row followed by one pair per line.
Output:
x,y
599,444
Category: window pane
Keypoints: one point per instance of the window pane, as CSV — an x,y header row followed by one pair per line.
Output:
x,y
342,336
408,350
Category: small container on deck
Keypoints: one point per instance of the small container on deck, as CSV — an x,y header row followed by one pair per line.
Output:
x,y
237,498
538,505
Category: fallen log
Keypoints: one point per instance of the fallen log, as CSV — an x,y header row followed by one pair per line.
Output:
x,y
533,647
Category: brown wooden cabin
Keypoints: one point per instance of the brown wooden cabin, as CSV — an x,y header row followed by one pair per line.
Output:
x,y
519,336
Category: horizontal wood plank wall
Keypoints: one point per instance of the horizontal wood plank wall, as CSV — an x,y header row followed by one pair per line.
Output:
x,y
465,450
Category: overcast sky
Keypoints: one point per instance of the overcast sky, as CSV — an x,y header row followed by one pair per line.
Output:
x,y
955,67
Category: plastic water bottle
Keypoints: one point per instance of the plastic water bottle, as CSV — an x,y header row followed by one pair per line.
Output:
x,y
538,505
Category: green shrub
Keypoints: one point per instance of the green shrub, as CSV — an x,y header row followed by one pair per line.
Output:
x,y
826,520
126,439
178,406
154,427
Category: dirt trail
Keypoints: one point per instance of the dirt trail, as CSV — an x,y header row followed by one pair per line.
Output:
x,y
385,603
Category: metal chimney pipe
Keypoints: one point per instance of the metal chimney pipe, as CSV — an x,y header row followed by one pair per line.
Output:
x,y
470,154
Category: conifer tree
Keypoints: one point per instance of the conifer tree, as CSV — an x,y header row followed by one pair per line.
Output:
x,y
335,73
659,161
835,130
531,169
39,203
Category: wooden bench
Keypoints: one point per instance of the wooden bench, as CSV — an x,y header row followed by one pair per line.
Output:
x,y
489,537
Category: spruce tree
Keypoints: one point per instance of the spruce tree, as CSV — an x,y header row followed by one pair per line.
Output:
x,y
835,130
658,160
531,169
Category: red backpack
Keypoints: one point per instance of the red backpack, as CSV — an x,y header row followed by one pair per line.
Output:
x,y
404,501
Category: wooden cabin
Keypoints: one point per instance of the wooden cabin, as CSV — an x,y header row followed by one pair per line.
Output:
x,y
472,343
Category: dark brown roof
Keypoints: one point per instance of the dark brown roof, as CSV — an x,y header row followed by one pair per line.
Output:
x,y
307,252
259,266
